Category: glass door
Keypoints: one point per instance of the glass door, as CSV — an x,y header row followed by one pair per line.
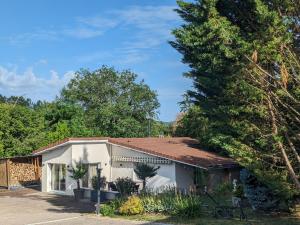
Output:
x,y
58,177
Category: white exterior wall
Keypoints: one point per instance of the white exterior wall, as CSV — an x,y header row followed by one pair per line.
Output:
x,y
165,175
62,155
69,155
93,153
184,176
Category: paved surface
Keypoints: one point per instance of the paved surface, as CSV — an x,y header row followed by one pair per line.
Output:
x,y
31,207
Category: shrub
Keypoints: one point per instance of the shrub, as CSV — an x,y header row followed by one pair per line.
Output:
x,y
223,189
153,204
117,203
95,182
107,210
125,186
186,206
132,206
172,203
260,196
239,191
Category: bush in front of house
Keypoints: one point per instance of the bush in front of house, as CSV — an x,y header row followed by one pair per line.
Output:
x,y
95,182
259,196
125,186
172,203
223,189
188,206
107,210
169,202
132,206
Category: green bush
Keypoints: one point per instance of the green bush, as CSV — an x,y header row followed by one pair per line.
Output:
x,y
117,203
259,195
186,206
172,203
125,186
153,204
132,206
107,210
223,189
239,191
95,182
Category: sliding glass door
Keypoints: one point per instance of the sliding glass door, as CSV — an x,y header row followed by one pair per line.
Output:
x,y
58,177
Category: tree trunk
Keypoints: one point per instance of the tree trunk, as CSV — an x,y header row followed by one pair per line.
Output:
x,y
292,147
281,147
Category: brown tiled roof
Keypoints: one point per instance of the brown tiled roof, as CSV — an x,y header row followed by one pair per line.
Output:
x,y
54,144
182,149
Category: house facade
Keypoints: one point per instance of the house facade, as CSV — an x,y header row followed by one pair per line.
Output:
x,y
182,163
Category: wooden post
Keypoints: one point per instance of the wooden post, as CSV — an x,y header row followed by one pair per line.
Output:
x,y
7,173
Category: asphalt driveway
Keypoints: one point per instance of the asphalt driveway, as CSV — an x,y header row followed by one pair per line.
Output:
x,y
31,207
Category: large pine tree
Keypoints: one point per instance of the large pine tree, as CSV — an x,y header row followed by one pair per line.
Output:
x,y
237,51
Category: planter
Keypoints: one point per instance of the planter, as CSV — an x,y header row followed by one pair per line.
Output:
x,y
104,195
111,195
78,194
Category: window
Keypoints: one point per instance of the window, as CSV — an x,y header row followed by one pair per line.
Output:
x,y
91,172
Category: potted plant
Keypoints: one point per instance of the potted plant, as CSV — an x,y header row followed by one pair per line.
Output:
x,y
94,192
78,173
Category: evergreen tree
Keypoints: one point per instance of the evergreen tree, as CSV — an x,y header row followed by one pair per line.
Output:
x,y
224,42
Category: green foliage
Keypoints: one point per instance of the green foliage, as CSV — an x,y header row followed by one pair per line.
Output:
x,y
19,130
115,104
223,189
192,123
226,43
104,102
78,172
260,196
95,182
144,171
132,206
239,191
107,210
172,203
125,186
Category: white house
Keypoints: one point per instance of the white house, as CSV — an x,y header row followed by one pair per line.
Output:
x,y
180,161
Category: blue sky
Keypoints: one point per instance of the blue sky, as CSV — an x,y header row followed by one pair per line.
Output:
x,y
44,42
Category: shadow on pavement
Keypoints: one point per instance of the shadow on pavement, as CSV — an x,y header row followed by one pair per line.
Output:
x,y
61,203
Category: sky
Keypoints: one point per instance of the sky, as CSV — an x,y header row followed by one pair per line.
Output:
x,y
43,43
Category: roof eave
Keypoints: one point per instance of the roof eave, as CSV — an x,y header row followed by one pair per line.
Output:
x,y
68,143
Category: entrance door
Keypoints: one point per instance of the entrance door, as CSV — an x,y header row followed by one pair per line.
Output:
x,y
58,177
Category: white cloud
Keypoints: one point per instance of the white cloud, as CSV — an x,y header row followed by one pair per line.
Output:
x,y
150,26
14,83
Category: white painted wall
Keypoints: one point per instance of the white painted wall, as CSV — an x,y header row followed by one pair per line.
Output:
x,y
184,176
62,155
165,175
93,153
69,155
